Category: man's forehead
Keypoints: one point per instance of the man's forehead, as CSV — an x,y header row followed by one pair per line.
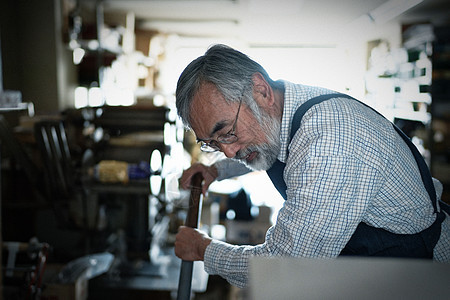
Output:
x,y
208,92
209,111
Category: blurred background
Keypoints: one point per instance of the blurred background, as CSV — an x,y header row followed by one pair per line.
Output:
x,y
92,148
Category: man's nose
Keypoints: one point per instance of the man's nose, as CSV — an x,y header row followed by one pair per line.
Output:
x,y
230,150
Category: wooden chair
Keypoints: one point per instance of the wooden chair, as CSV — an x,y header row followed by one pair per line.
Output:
x,y
61,183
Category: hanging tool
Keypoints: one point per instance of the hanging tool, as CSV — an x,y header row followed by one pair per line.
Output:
x,y
192,219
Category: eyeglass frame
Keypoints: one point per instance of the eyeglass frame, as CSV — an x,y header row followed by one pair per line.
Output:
x,y
228,138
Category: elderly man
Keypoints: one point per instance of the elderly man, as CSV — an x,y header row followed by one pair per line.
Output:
x,y
352,184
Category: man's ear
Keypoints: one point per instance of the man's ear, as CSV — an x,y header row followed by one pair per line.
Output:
x,y
261,89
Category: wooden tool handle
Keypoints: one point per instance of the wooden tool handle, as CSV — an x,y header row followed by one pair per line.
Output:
x,y
194,201
185,281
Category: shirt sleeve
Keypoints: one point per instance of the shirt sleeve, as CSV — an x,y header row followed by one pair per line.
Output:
x,y
230,261
229,168
331,179
328,191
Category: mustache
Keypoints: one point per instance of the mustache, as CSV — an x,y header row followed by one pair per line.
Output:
x,y
242,154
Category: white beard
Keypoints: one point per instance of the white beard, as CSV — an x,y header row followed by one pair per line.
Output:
x,y
268,151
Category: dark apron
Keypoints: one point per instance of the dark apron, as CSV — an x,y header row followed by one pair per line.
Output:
x,y
368,240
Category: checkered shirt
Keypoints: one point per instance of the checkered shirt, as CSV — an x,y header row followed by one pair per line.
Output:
x,y
345,165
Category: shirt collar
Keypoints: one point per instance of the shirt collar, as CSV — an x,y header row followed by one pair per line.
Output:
x,y
294,96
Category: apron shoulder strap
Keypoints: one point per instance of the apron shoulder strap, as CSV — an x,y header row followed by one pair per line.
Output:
x,y
276,171
423,168
298,115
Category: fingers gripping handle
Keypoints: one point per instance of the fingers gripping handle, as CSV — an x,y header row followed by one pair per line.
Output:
x,y
185,281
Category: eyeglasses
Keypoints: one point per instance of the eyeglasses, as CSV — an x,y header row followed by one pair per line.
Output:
x,y
228,138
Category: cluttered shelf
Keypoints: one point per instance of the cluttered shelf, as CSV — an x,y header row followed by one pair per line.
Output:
x,y
83,210
440,150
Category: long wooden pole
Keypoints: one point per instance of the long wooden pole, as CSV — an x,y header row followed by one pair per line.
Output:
x,y
192,219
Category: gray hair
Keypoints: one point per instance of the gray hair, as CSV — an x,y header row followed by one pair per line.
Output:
x,y
229,70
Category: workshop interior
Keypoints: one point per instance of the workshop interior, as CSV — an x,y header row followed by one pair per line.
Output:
x,y
92,147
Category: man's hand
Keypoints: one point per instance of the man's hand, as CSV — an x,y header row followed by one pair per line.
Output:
x,y
209,175
190,244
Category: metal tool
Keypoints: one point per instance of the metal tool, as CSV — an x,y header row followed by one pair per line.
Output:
x,y
192,219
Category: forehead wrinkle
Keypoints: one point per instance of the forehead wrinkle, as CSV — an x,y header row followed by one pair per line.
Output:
x,y
208,101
